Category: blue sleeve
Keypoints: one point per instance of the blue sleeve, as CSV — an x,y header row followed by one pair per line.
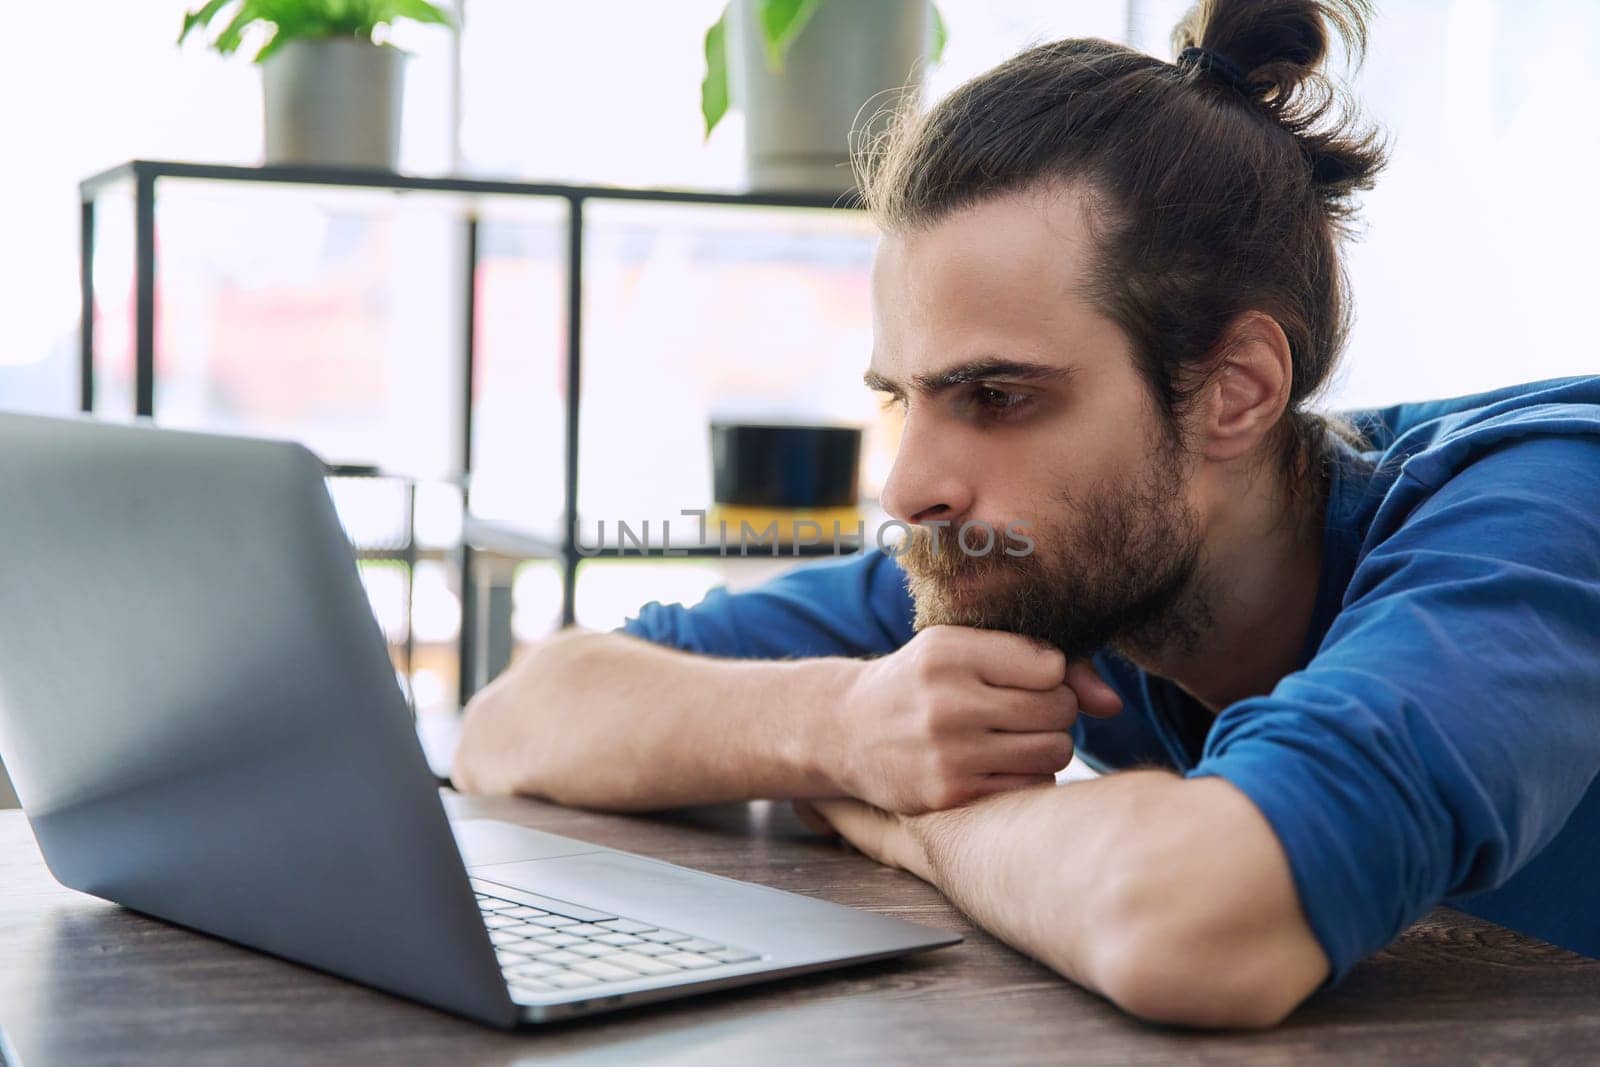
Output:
x,y
1450,721
849,607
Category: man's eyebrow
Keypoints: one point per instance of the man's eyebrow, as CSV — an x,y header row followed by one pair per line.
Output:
x,y
879,384
976,370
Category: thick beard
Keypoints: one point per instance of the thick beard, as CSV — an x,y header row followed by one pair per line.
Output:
x,y
1121,570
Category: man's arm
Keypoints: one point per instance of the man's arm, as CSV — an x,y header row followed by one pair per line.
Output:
x,y
1439,740
631,720
613,721
610,721
1170,897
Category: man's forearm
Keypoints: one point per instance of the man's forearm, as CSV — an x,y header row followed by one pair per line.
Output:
x,y
1170,897
610,721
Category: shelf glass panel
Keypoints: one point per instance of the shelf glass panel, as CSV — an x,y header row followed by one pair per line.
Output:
x,y
519,394
693,313
334,316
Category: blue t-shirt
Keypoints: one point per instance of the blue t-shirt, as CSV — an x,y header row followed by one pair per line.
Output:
x,y
1441,737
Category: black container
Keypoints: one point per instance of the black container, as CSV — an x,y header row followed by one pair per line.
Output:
x,y
785,466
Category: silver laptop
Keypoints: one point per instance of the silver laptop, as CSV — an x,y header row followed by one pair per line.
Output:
x,y
202,723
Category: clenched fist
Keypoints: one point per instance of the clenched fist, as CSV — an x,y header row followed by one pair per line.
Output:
x,y
959,713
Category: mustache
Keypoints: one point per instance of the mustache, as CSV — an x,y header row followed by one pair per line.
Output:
x,y
941,553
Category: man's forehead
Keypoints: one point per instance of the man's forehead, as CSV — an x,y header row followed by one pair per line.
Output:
x,y
1036,239
998,278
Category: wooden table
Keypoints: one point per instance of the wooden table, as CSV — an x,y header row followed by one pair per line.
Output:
x,y
82,981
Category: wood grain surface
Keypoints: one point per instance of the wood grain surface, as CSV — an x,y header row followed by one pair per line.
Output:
x,y
86,982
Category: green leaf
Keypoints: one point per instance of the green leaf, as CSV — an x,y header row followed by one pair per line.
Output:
x,y
714,87
420,11
781,22
232,34
292,20
347,18
276,42
202,17
941,34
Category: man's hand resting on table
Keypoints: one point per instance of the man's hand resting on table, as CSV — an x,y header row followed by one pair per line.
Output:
x,y
1171,897
957,714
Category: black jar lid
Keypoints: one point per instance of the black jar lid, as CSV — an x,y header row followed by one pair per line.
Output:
x,y
785,465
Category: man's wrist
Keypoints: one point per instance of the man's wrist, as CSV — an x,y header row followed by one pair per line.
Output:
x,y
813,748
933,840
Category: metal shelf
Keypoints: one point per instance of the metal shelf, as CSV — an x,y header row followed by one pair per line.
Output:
x,y
145,176
139,170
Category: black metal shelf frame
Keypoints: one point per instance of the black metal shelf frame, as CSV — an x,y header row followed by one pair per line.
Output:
x,y
144,175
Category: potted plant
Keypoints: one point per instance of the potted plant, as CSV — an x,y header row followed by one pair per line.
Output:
x,y
331,90
807,73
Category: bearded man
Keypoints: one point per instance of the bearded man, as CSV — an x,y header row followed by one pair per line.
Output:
x,y
1336,670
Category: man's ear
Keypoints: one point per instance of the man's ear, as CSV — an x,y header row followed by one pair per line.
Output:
x,y
1248,393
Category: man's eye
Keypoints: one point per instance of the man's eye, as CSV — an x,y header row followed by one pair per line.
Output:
x,y
992,401
890,402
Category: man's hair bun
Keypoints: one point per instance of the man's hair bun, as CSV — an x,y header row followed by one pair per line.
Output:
x,y
1280,49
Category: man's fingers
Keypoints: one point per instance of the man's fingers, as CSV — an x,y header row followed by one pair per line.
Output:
x,y
990,784
841,812
1000,658
1011,661
1027,754
1095,697
808,813
885,837
861,824
1031,711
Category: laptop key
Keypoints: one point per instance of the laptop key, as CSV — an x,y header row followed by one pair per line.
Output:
x,y
554,921
643,964
586,929
592,950
501,937
494,904
649,948
560,955
618,939
663,936
571,980
626,926
689,960
558,940
522,911
606,972
522,929
507,957
733,955
533,969
697,944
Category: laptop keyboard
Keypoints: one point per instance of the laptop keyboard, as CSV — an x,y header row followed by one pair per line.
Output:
x,y
543,951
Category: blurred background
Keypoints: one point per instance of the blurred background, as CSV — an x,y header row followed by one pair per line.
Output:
x,y
334,314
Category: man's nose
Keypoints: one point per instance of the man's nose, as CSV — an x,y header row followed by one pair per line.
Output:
x,y
928,481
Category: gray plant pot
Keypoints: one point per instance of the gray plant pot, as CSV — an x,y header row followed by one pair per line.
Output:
x,y
333,102
798,122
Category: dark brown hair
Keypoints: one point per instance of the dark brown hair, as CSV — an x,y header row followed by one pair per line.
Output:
x,y
1209,198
